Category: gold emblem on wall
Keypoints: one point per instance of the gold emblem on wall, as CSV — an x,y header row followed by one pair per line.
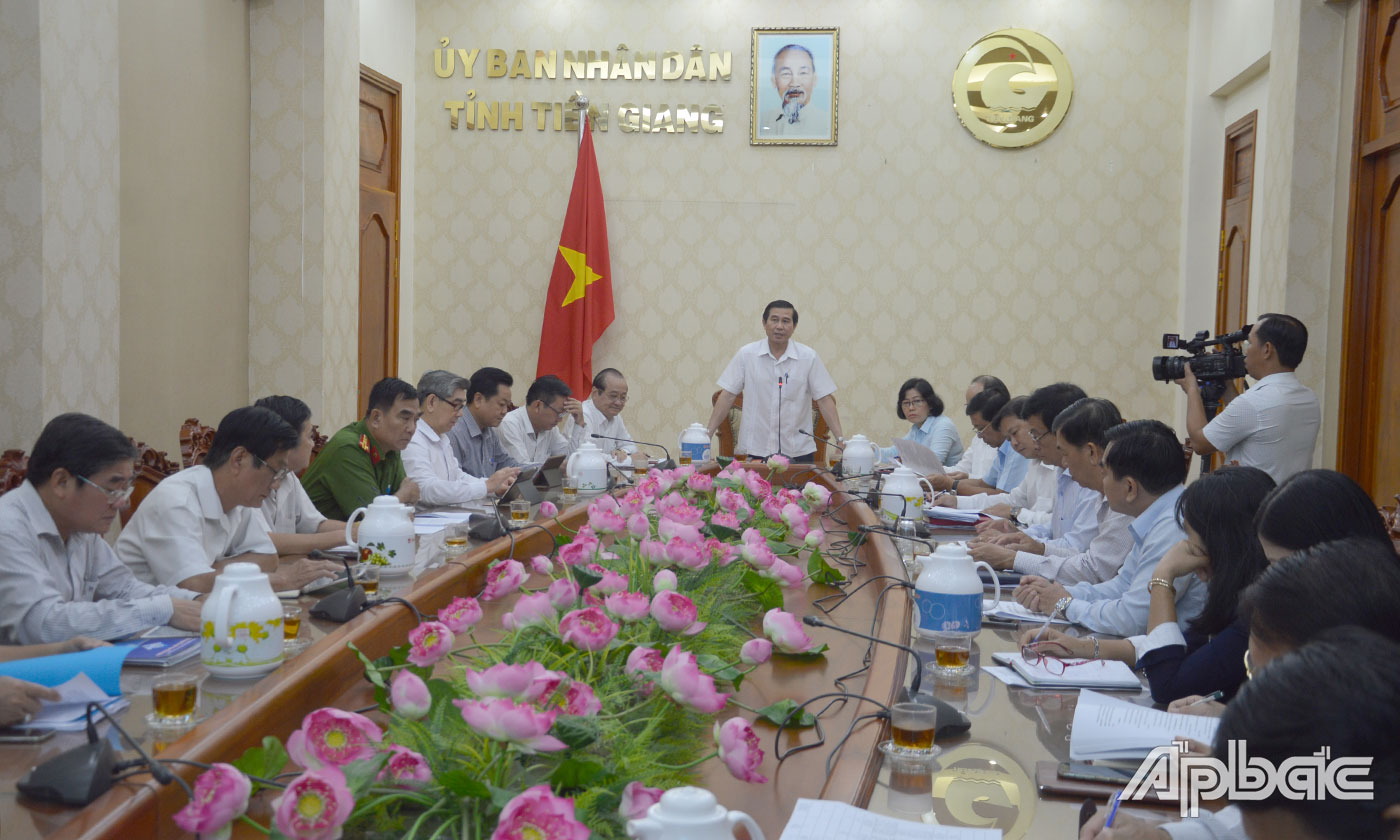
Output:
x,y
1012,88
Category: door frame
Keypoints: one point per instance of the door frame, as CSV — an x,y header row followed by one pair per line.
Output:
x,y
375,78
1249,122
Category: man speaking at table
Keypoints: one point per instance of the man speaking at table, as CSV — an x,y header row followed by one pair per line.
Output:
x,y
779,378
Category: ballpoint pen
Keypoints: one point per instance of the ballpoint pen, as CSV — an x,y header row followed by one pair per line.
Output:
x,y
1214,695
1113,811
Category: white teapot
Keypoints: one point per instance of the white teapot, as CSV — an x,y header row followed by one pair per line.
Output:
x,y
903,494
241,624
690,813
386,537
858,457
949,592
589,465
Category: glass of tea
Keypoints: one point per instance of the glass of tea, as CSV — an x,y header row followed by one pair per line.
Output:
x,y
912,726
455,541
640,466
570,489
367,576
952,653
519,513
175,697
291,622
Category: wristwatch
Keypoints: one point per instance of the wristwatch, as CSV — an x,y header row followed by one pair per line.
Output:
x,y
1015,513
1061,605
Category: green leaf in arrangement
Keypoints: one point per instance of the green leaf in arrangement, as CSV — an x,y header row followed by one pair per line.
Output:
x,y
724,460
768,593
574,730
576,773
583,577
359,775
726,534
781,548
500,797
561,540
371,667
265,761
780,711
822,571
819,650
462,783
718,668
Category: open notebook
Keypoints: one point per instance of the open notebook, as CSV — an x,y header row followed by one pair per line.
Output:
x,y
1107,674
1109,728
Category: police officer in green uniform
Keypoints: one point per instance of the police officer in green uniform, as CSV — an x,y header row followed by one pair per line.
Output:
x,y
362,460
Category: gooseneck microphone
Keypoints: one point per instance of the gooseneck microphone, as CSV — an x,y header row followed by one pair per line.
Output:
x,y
813,621
878,529
827,441
668,464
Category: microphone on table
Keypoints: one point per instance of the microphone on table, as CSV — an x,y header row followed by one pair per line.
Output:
x,y
343,605
667,464
80,775
835,470
813,621
879,529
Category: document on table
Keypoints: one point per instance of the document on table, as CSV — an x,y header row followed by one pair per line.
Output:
x,y
1009,610
952,514
1105,727
819,819
1076,673
102,664
69,714
430,522
918,457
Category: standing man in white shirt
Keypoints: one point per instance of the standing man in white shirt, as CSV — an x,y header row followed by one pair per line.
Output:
x,y
780,379
1272,426
58,577
551,422
603,411
293,522
202,518
429,459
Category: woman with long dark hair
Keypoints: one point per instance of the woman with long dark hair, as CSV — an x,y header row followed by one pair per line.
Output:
x,y
1217,514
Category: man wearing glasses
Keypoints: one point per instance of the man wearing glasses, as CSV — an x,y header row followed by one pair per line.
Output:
x,y
58,577
473,437
550,423
603,411
362,460
203,517
429,460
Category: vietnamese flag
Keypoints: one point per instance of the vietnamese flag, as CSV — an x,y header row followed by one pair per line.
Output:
x,y
579,304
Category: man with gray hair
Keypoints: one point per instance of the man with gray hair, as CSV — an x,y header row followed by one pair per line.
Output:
x,y
429,459
797,114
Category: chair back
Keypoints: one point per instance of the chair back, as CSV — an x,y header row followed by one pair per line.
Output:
x,y
728,431
195,440
14,465
152,465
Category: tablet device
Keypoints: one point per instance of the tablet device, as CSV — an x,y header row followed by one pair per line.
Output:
x,y
551,473
516,491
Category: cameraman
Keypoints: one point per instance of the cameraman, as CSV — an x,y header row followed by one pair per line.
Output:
x,y
1272,426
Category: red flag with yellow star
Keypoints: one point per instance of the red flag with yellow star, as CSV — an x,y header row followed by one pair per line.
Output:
x,y
579,305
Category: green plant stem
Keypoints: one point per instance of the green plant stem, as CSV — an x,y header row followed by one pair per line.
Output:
x,y
446,824
255,824
741,705
413,830
689,765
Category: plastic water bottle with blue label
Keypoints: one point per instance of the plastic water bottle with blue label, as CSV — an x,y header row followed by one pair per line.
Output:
x,y
694,444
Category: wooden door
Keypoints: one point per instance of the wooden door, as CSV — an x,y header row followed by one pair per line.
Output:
x,y
379,230
1232,290
1370,424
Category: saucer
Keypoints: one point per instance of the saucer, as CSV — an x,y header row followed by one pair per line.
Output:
x,y
167,727
242,672
907,758
295,647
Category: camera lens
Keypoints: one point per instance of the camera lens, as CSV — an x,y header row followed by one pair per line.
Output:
x,y
1168,368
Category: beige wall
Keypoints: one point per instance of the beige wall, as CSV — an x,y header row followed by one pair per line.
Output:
x,y
910,248
184,214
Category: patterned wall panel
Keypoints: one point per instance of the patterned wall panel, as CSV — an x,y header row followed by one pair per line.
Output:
x,y
79,179
341,174
909,249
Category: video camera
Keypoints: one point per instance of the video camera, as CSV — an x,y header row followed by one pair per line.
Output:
x,y
1221,366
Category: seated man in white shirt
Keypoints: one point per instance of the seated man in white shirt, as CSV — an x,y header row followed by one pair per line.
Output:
x,y
551,422
429,459
1079,432
201,518
58,577
293,522
1272,426
1144,471
780,379
977,455
603,411
1016,476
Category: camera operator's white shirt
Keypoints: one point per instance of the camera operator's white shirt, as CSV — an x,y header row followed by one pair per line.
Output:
x,y
1272,426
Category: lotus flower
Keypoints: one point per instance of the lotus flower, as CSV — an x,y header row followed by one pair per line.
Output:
x,y
670,529
409,695
637,798
537,814
756,485
526,683
675,613
638,525
579,699
785,573
739,750
580,550
405,769
430,641
315,805
756,651
643,662
563,593
535,608
627,606
220,797
655,552
331,737
460,614
548,509
818,495
786,632
611,581
773,509
725,519
814,537
605,519
684,513
588,629
541,565
503,578
686,554
730,500
682,678
665,579
700,483
503,719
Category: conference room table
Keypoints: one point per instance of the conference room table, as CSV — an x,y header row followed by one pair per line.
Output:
x,y
984,778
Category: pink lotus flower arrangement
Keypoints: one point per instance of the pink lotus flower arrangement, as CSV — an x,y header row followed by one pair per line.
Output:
x,y
615,654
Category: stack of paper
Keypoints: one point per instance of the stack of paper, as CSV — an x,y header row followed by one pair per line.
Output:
x,y
819,819
433,521
69,714
1105,727
1075,673
939,513
1009,610
918,457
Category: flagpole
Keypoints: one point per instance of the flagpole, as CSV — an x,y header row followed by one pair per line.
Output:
x,y
581,102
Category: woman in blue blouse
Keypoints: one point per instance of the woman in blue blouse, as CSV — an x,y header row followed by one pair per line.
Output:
x,y
1221,547
919,404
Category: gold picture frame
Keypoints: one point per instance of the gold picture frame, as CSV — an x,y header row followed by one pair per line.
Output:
x,y
793,86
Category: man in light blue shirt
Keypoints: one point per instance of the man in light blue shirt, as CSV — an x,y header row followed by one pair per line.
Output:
x,y
1144,474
